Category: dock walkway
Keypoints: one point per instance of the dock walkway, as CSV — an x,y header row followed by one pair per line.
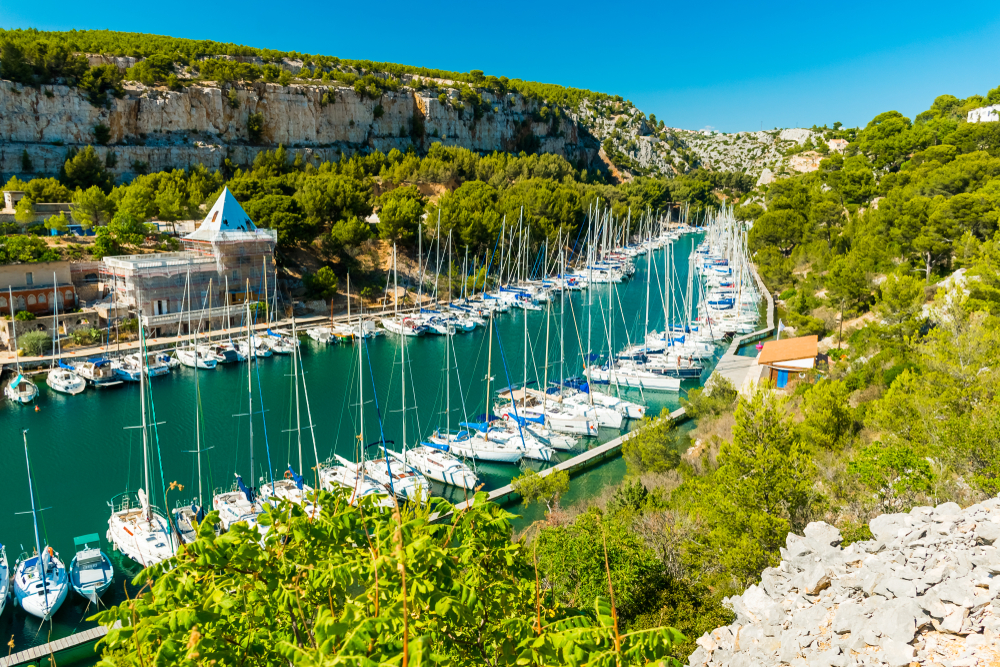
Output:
x,y
48,651
734,367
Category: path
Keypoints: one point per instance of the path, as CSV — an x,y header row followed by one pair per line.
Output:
x,y
43,651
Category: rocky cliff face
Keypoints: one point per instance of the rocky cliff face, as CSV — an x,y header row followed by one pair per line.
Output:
x,y
925,591
155,129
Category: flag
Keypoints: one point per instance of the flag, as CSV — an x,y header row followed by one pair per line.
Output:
x,y
781,327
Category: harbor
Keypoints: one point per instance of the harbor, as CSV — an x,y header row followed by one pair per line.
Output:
x,y
86,449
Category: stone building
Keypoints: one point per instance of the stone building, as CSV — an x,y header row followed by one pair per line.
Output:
x,y
226,258
32,285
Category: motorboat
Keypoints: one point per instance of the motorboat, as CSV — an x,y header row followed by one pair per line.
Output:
x,y
21,390
404,326
98,372
90,572
196,358
186,518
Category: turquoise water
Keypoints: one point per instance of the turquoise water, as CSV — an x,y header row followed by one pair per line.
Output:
x,y
83,455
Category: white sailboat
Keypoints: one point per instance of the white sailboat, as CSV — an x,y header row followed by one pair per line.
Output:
x,y
136,527
194,355
21,390
41,582
61,378
241,504
4,578
292,486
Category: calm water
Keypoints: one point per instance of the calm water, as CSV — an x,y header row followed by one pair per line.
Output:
x,y
82,454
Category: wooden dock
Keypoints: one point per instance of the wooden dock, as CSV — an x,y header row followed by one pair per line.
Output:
x,y
44,653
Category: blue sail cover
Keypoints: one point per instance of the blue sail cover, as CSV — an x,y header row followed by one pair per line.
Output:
x,y
475,426
297,477
199,513
443,448
99,361
271,333
63,364
243,487
524,421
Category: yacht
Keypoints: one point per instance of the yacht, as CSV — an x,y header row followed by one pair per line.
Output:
x,y
65,380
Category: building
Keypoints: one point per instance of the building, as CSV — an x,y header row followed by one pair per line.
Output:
x,y
43,211
35,286
226,258
789,360
990,114
837,145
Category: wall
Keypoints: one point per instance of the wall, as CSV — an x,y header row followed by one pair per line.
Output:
x,y
157,129
13,275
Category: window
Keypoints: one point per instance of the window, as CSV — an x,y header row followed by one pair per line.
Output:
x,y
236,274
3,302
41,298
31,299
29,278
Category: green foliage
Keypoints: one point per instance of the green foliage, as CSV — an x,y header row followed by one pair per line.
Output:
x,y
322,284
653,447
899,308
717,396
58,223
284,214
760,489
255,127
25,248
407,587
829,420
533,487
399,215
102,134
35,343
893,473
85,169
572,557
25,211
25,316
348,233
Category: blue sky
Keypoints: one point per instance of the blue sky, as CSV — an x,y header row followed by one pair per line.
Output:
x,y
729,66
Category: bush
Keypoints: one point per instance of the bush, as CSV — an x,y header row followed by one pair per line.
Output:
x,y
24,316
86,336
35,343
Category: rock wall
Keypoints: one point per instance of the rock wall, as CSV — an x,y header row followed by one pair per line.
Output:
x,y
159,129
925,591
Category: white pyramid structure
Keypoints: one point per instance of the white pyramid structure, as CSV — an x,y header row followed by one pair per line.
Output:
x,y
225,219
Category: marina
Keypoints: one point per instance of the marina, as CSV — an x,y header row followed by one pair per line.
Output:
x,y
197,418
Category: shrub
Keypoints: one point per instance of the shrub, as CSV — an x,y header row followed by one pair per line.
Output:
x,y
24,316
35,343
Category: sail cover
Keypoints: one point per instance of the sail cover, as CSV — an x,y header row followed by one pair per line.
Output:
x,y
297,477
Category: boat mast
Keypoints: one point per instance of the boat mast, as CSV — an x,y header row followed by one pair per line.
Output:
x,y
447,353
548,327
251,355
649,279
489,367
13,328
562,319
348,304
295,378
34,518
590,293
402,375
142,409
55,329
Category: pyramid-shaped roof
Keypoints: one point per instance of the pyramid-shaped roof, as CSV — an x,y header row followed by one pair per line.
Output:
x,y
225,216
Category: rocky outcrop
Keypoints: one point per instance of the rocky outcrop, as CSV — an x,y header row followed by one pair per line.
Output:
x,y
154,129
925,591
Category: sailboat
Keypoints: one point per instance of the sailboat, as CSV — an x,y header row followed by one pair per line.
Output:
x,y
62,378
434,461
403,326
136,527
20,390
292,487
193,355
4,578
392,470
90,571
241,503
40,580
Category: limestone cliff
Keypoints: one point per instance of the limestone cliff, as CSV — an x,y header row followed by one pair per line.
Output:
x,y
154,128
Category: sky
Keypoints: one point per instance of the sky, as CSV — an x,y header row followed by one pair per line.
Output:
x,y
728,66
